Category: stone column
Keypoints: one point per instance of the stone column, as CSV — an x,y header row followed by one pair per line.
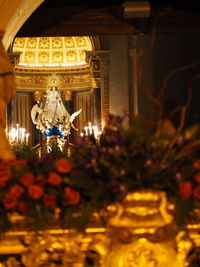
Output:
x,y
99,62
133,81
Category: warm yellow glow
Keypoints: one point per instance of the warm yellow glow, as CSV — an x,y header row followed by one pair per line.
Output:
x,y
52,51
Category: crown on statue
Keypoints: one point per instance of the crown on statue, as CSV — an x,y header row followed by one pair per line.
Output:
x,y
53,80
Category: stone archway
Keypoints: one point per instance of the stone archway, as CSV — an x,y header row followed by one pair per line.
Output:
x,y
13,15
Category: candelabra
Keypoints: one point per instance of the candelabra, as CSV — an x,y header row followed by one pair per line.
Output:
x,y
90,130
17,136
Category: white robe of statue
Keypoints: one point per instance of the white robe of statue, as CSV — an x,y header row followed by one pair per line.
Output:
x,y
54,110
53,113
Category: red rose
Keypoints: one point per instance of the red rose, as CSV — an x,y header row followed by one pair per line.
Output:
x,y
9,201
27,179
5,175
185,189
22,206
35,191
63,166
197,177
50,200
197,192
196,164
16,190
72,196
54,179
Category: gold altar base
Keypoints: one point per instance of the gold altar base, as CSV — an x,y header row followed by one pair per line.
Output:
x,y
140,232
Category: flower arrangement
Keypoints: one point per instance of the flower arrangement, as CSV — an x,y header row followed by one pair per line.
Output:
x,y
35,189
141,157
126,159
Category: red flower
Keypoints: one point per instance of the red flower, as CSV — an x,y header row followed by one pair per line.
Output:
x,y
72,196
27,179
197,192
50,200
9,201
22,206
5,175
196,164
35,191
63,166
185,189
16,190
54,179
197,177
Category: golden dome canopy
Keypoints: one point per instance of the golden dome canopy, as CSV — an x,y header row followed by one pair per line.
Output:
x,y
52,51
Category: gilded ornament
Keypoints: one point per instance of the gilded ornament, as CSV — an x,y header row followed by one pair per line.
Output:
x,y
67,95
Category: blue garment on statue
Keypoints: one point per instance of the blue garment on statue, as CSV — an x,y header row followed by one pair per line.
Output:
x,y
54,131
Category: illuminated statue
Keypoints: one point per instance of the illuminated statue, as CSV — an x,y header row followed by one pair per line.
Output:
x,y
54,109
53,116
7,90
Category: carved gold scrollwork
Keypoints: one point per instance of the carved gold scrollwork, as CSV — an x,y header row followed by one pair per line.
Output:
x,y
135,236
139,208
50,250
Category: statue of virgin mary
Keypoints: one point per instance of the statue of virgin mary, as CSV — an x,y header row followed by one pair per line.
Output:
x,y
53,117
54,110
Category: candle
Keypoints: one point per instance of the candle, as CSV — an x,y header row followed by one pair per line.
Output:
x,y
90,128
17,132
22,135
27,136
86,130
18,135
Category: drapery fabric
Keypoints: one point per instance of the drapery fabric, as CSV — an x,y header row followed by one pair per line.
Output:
x,y
84,100
22,104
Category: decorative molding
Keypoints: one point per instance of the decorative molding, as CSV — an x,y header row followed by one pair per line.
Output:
x,y
33,82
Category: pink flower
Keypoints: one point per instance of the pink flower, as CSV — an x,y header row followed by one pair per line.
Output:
x,y
185,189
54,179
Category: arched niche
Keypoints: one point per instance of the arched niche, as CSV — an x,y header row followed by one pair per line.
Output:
x,y
81,72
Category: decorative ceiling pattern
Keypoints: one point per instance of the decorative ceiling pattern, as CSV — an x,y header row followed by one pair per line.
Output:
x,y
52,51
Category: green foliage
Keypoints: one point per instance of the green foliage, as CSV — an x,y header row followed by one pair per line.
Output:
x,y
104,172
22,151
